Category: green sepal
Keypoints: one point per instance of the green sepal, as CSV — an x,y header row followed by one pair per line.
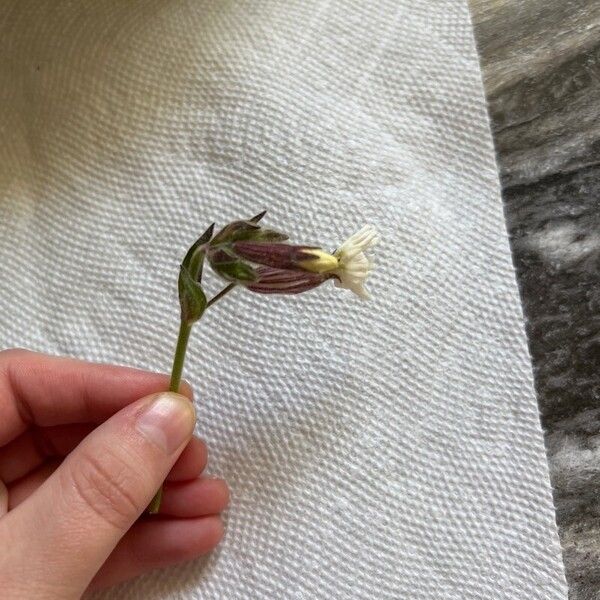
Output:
x,y
237,271
191,297
238,230
246,231
268,235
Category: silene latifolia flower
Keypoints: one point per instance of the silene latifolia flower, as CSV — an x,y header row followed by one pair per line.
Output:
x,y
260,260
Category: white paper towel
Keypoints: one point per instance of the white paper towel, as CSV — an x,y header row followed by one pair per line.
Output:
x,y
383,450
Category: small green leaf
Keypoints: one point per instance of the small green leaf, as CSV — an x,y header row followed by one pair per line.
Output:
x,y
234,231
191,297
241,231
222,255
236,271
195,255
268,235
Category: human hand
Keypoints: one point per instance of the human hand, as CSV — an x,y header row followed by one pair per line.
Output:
x,y
83,449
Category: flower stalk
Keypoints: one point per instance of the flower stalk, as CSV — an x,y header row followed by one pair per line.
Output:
x,y
182,341
185,329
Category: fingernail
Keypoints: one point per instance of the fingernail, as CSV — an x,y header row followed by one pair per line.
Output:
x,y
168,421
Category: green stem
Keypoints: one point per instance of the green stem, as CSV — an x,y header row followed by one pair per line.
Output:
x,y
182,341
155,503
224,291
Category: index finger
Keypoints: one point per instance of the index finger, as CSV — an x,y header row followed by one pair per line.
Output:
x,y
37,389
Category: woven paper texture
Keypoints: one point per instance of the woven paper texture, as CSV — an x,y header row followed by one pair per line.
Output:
x,y
385,450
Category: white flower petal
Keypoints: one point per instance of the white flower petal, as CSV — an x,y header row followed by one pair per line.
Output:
x,y
354,265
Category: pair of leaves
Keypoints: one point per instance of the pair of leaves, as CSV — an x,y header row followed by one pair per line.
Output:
x,y
194,258
191,295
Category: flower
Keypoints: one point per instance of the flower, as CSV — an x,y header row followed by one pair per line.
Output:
x,y
353,265
246,254
272,268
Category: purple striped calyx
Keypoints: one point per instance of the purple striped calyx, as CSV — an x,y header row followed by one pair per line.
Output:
x,y
244,253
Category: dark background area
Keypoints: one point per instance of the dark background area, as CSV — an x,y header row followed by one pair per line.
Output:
x,y
541,69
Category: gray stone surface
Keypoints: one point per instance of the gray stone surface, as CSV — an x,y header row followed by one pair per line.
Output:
x,y
541,66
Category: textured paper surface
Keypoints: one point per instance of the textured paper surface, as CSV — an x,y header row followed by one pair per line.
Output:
x,y
388,449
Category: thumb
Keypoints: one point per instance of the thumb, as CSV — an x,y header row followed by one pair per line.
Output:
x,y
70,525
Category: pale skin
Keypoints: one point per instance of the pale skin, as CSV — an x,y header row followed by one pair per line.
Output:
x,y
83,449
